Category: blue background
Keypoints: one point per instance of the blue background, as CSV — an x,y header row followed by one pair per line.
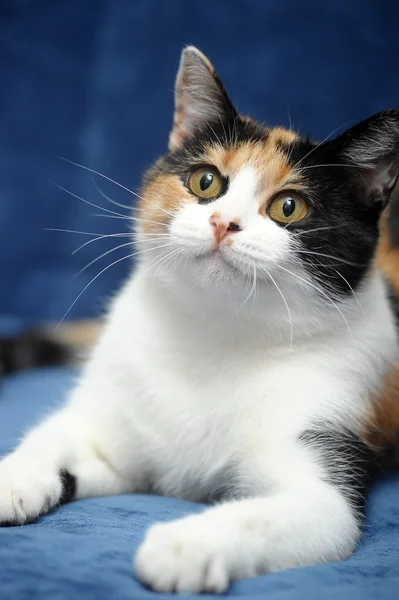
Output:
x,y
92,81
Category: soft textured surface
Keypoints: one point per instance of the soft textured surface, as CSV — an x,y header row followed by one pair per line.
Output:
x,y
84,549
92,81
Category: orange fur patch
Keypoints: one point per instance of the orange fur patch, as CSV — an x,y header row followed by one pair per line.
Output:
x,y
269,161
160,200
381,430
286,136
166,192
79,334
387,255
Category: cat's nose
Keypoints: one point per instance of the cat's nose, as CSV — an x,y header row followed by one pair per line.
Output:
x,y
223,227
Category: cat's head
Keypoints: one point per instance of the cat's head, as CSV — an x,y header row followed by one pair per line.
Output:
x,y
234,201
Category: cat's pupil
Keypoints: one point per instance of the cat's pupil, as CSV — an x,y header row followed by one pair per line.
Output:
x,y
289,207
206,181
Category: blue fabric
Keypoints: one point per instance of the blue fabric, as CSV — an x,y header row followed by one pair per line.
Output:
x,y
91,81
84,549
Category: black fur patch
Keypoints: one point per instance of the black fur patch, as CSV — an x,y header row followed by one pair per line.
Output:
x,y
9,524
228,134
68,493
341,232
349,463
68,486
31,349
337,240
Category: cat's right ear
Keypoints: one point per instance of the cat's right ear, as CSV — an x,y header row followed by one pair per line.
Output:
x,y
371,150
200,98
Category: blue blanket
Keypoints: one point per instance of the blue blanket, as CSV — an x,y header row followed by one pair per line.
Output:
x,y
84,549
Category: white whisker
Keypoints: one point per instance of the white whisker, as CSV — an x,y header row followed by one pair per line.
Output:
x,y
252,289
300,233
255,292
292,144
289,119
123,217
101,237
318,289
112,212
126,218
286,306
341,260
96,277
106,197
317,146
75,231
160,261
351,289
222,124
123,187
92,262
329,165
214,132
131,235
170,257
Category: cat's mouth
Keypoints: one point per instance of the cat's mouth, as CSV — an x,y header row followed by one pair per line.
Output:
x,y
219,260
214,253
221,264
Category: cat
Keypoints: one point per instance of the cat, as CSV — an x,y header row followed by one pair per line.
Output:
x,y
250,361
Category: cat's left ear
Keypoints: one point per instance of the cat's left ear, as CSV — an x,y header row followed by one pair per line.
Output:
x,y
200,98
371,149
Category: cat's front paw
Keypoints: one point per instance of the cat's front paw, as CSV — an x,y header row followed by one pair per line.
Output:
x,y
191,555
26,491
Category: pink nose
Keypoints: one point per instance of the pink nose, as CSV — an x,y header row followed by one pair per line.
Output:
x,y
223,227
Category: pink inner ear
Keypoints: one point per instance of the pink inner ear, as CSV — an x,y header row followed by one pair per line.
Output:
x,y
199,97
381,177
385,175
177,134
179,130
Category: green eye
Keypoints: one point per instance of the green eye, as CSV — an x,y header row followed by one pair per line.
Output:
x,y
288,208
206,182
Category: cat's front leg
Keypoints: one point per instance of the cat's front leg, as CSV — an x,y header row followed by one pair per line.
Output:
x,y
65,457
309,519
204,553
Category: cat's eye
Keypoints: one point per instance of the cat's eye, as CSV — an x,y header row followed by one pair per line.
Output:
x,y
206,182
288,207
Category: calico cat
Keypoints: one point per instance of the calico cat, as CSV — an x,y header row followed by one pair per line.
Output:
x,y
250,360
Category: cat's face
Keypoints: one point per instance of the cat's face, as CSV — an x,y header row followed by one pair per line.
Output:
x,y
235,202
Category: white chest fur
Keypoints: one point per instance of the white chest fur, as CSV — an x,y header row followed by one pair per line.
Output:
x,y
207,402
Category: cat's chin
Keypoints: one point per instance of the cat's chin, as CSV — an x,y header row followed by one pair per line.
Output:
x,y
218,262
214,268
217,269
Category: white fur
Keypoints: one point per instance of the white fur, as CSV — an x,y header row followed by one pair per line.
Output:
x,y
200,386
